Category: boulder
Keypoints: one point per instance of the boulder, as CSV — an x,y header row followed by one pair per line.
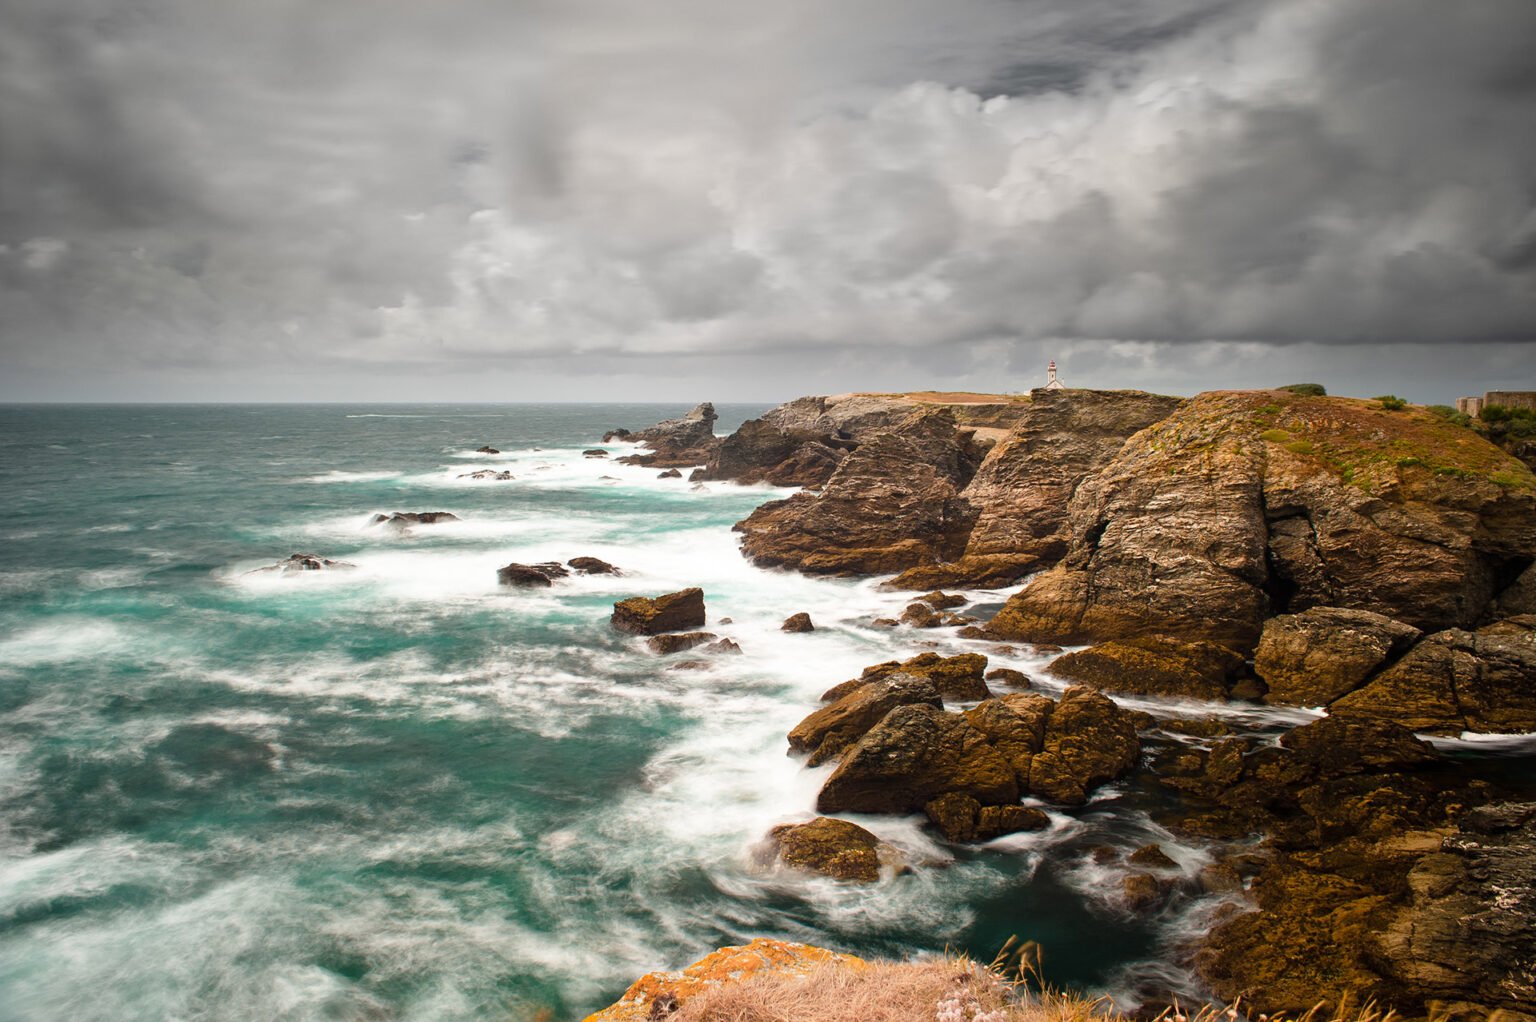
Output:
x,y
295,563
673,612
1313,658
892,503
1009,677
1454,681
488,474
914,755
670,473
826,732
1089,741
486,450
1154,665
1014,725
531,576
961,818
592,566
834,848
726,646
944,601
1242,505
800,622
1022,490
676,642
920,615
594,452
956,677
1151,857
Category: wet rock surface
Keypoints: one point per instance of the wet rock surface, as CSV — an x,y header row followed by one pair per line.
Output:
x,y
834,848
672,612
828,731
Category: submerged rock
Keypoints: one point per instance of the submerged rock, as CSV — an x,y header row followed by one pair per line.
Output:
x,y
488,474
402,521
676,642
531,575
486,450
592,566
295,563
672,612
962,819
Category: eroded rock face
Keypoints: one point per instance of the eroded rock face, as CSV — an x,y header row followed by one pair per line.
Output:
x,y
913,756
673,612
828,731
1313,658
1022,489
834,848
654,995
1241,505
892,503
1155,665
1455,681
676,443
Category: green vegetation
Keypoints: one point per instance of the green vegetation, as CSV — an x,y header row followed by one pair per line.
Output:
x,y
1392,403
1450,414
1306,389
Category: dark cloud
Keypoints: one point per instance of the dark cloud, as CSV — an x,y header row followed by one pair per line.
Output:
x,y
210,196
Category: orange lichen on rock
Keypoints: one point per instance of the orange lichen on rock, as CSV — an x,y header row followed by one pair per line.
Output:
x,y
727,965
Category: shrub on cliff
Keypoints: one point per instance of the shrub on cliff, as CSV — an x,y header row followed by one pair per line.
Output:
x,y
1306,389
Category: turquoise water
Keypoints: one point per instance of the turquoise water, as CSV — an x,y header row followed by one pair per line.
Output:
x,y
403,791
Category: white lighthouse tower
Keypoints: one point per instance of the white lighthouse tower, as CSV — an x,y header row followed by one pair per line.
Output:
x,y
1053,383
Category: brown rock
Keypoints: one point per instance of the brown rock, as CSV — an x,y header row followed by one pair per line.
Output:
x,y
892,503
834,848
956,677
1144,892
1151,857
1089,740
723,646
594,452
592,566
673,612
1454,681
297,563
920,615
670,473
1313,658
678,443
800,622
1243,504
828,731
962,819
1015,726
486,450
944,601
1009,677
884,622
910,758
676,642
530,575
402,521
1155,665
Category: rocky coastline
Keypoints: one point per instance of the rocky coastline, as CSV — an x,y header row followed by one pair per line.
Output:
x,y
1371,563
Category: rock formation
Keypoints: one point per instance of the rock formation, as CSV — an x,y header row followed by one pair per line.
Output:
x,y
892,503
402,521
676,443
1154,665
531,576
828,731
834,848
673,612
1241,505
1313,658
296,563
798,623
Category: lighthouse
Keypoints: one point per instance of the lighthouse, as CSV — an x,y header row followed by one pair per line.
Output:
x,y
1053,383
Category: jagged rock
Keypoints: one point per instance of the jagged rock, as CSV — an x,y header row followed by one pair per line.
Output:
x,y
892,503
1014,725
488,474
594,452
1243,504
678,443
961,818
486,450
670,473
673,612
1009,677
1220,878
592,566
1089,741
401,521
1454,681
834,848
1156,665
1151,857
616,434
1336,747
955,620
1022,489
527,576
800,622
295,563
723,646
920,615
655,995
914,755
828,731
676,642
957,677
944,601
1313,658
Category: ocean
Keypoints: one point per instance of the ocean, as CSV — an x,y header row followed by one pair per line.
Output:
x,y
404,791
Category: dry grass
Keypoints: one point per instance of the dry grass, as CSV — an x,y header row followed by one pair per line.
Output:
x,y
937,990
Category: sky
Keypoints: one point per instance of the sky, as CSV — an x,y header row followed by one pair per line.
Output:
x,y
684,200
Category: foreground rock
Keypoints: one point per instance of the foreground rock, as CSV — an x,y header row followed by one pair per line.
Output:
x,y
893,503
657,994
677,443
1241,505
673,612
531,576
834,848
1022,489
1154,665
828,731
296,563
1313,658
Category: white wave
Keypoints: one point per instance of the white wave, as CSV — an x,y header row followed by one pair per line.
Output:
x,y
338,476
65,639
1471,741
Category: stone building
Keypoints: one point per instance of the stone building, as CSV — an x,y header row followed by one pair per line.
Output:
x,y
1504,398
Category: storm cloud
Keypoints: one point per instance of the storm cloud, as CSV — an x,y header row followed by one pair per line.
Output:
x,y
522,199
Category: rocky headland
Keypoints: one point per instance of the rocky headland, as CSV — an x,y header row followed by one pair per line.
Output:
x,y
1370,562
